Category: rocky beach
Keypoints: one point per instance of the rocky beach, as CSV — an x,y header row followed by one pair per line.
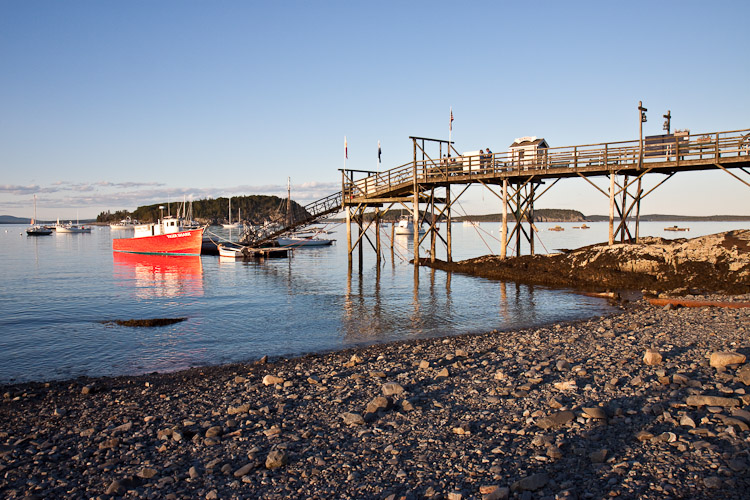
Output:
x,y
650,402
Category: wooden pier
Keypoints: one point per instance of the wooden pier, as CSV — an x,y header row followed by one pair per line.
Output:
x,y
438,175
518,180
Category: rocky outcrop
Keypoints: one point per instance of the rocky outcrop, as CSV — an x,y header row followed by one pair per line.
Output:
x,y
714,263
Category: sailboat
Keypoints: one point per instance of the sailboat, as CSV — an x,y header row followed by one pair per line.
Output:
x,y
230,225
35,229
308,238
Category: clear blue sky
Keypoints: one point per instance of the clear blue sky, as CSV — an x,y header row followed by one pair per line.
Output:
x,y
108,105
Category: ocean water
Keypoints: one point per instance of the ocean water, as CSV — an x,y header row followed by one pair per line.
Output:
x,y
61,292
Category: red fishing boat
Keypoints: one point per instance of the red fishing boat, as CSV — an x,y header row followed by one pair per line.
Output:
x,y
167,236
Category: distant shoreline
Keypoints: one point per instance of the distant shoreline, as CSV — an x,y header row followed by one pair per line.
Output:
x,y
541,215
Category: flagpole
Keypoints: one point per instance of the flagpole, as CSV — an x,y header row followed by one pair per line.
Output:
x,y
450,132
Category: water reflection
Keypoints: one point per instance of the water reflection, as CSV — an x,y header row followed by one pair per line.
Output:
x,y
156,276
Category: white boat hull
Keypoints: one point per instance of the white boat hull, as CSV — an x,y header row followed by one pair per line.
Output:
x,y
72,230
303,242
230,252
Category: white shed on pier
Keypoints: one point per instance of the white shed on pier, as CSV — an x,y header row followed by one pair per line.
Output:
x,y
526,151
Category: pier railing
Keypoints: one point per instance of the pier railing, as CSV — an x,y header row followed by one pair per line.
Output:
x,y
678,151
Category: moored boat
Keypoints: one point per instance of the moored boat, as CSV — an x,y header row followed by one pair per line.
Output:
x,y
675,228
230,251
167,236
126,223
37,229
232,225
303,240
72,228
406,226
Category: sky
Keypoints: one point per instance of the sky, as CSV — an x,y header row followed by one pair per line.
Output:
x,y
109,105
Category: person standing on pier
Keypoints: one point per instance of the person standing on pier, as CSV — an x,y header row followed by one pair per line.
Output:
x,y
488,159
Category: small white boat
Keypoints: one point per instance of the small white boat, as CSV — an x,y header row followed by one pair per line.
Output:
x,y
230,251
303,240
71,228
126,223
231,225
406,226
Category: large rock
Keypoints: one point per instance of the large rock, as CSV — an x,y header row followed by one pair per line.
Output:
x,y
352,418
377,404
724,358
744,374
555,419
276,459
700,400
531,483
652,357
392,389
272,380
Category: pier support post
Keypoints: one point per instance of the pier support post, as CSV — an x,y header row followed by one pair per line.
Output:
x,y
519,221
360,243
449,221
349,235
393,237
415,208
504,229
377,236
638,211
433,226
530,217
623,213
612,208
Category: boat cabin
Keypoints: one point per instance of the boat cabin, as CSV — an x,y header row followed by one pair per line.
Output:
x,y
167,225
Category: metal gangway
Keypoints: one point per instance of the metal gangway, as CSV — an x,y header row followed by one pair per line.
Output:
x,y
314,212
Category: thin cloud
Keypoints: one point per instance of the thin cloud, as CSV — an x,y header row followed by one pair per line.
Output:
x,y
100,196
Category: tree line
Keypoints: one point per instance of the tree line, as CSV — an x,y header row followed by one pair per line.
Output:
x,y
254,209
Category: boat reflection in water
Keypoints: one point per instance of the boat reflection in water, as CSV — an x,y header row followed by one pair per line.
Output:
x,y
161,275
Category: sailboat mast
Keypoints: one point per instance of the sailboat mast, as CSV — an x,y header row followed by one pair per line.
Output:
x,y
288,201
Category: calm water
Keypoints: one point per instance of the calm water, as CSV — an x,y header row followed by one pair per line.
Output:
x,y
58,291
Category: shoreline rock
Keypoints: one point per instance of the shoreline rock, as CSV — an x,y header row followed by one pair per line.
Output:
x,y
717,263
376,422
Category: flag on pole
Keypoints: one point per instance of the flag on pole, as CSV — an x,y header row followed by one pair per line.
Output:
x,y
346,149
379,152
450,126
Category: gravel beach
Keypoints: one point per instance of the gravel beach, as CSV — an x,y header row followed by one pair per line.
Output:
x,y
647,403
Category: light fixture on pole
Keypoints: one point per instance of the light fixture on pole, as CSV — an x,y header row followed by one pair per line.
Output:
x,y
641,121
667,121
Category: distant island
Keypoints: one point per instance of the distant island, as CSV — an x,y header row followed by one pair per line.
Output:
x,y
268,207
565,215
